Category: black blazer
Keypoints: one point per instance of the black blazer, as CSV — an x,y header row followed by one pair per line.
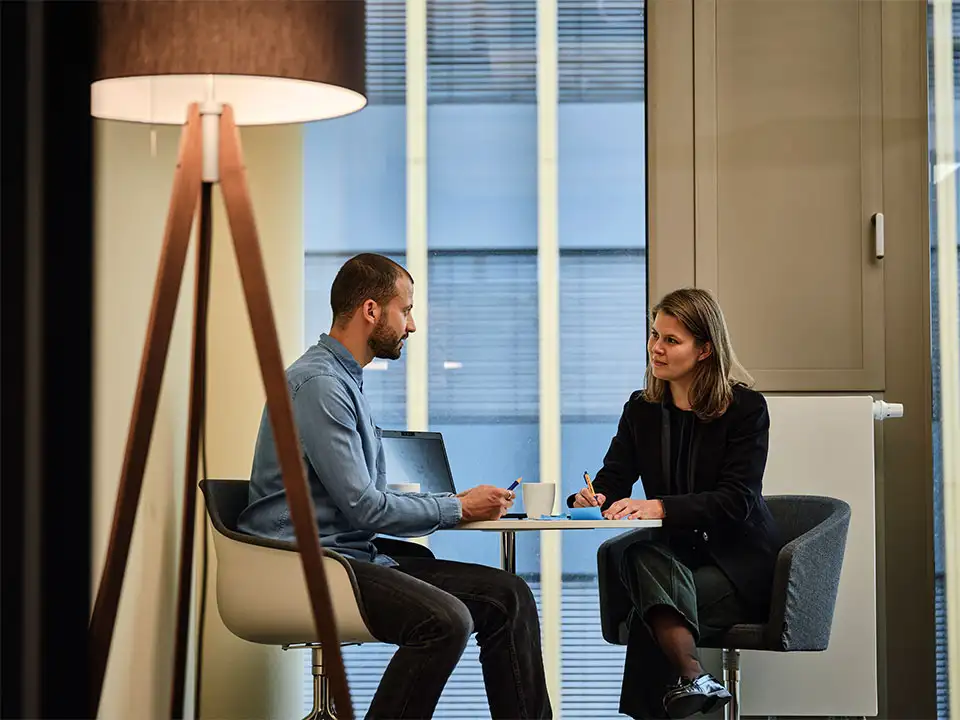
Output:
x,y
725,515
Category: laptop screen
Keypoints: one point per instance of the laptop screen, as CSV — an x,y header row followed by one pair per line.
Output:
x,y
417,457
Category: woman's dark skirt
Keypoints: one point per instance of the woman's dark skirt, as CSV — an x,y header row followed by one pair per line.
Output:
x,y
655,573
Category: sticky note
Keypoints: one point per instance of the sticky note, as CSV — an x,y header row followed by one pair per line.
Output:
x,y
585,513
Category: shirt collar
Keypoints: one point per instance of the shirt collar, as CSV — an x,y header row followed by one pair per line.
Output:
x,y
346,359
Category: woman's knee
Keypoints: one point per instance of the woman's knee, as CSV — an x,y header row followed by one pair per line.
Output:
x,y
646,550
642,554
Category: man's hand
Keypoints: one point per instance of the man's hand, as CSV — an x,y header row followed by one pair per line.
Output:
x,y
585,498
485,502
628,509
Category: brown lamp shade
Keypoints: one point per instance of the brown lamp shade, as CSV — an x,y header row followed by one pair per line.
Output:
x,y
273,61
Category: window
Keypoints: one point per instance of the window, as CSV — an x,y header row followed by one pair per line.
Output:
x,y
486,260
603,299
942,169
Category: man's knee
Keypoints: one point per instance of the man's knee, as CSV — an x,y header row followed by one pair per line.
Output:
x,y
453,624
513,595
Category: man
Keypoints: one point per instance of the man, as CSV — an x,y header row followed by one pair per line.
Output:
x,y
428,607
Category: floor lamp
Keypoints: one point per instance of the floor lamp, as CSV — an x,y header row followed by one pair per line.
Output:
x,y
211,67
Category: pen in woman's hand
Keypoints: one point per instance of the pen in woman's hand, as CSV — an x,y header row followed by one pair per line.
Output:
x,y
589,482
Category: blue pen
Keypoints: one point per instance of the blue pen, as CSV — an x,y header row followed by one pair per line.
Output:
x,y
515,483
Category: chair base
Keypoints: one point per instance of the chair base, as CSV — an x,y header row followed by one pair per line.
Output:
x,y
323,707
731,680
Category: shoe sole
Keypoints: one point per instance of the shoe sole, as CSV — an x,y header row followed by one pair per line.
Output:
x,y
684,707
715,702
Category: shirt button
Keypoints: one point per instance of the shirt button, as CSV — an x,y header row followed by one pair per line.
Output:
x,y
706,537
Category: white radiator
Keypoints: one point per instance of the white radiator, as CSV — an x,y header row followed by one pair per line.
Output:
x,y
824,445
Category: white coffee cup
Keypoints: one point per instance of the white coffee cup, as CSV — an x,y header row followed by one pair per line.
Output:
x,y
538,498
404,487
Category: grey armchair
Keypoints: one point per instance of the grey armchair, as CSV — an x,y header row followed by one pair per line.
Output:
x,y
805,586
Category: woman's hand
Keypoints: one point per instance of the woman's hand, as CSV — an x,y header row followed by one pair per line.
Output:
x,y
628,509
585,498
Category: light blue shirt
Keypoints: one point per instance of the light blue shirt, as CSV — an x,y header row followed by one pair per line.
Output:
x,y
344,458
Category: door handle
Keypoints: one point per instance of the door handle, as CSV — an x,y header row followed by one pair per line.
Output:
x,y
878,235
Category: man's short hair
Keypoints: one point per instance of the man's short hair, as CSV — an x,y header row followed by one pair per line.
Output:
x,y
367,276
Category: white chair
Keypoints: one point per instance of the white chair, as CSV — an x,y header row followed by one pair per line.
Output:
x,y
261,593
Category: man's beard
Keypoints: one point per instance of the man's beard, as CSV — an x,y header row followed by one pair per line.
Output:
x,y
384,342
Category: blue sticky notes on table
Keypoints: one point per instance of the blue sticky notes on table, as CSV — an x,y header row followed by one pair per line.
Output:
x,y
585,513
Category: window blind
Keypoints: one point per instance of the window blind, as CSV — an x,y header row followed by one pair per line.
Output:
x,y
386,52
481,51
601,50
483,320
940,607
935,316
483,355
592,670
603,326
483,337
484,51
943,678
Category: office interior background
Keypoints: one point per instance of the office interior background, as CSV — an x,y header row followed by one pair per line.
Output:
x,y
486,260
545,170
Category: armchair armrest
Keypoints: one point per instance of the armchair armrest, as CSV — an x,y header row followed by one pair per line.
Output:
x,y
615,604
805,585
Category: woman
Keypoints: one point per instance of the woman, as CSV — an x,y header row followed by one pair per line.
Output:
x,y
697,438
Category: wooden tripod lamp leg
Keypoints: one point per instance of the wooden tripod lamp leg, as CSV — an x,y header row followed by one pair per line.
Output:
x,y
195,422
176,239
236,198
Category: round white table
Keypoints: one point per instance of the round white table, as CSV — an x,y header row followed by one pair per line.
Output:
x,y
508,530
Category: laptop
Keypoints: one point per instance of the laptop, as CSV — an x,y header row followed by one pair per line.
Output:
x,y
417,457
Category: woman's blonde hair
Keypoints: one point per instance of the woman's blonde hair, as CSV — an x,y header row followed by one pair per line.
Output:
x,y
713,377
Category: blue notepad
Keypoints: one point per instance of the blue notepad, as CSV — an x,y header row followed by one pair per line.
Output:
x,y
586,513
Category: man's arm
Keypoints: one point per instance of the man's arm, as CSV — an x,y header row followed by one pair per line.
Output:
x,y
327,418
420,494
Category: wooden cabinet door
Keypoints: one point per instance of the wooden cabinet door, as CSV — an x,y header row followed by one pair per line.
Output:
x,y
788,176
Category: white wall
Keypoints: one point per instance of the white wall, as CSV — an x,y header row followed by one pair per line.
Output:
x,y
131,204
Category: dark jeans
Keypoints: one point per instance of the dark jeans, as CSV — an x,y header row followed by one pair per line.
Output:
x,y
430,608
654,574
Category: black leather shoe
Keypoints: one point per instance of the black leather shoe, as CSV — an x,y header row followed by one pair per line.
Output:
x,y
704,694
